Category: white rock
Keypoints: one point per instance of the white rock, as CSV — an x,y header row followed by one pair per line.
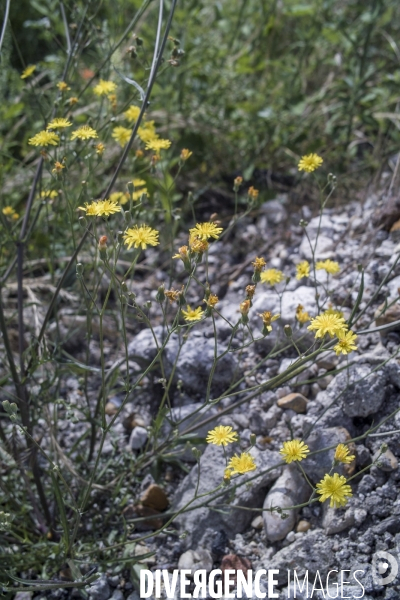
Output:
x,y
138,438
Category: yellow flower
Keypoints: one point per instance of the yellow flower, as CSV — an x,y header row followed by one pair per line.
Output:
x,y
294,450
268,319
192,314
222,435
132,113
62,86
242,464
203,231
330,266
122,135
327,323
73,100
211,301
185,154
182,253
49,194
147,132
141,237
103,88
252,193
272,276
107,207
100,147
58,167
303,269
28,71
158,145
334,487
345,343
301,315
244,307
121,197
310,162
58,124
250,291
8,211
342,454
198,245
91,209
259,264
44,138
84,133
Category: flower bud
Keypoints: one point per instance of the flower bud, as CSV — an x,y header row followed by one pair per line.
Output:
x,y
288,331
160,296
253,439
237,182
79,270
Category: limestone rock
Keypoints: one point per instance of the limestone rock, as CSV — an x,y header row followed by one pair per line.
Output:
x,y
362,390
195,560
291,488
138,438
318,465
387,461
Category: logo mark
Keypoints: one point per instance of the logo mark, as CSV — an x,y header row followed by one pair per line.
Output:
x,y
384,568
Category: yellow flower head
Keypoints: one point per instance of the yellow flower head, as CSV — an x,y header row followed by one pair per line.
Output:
x,y
203,231
250,291
84,133
303,269
44,138
103,88
268,318
252,193
73,100
222,435
294,450
185,154
197,245
141,237
327,323
244,307
301,315
192,314
259,264
28,71
309,163
107,207
272,276
345,343
147,132
63,87
122,135
8,211
342,454
334,487
330,266
90,209
132,113
211,301
121,197
100,147
182,253
58,167
49,194
157,145
58,124
242,464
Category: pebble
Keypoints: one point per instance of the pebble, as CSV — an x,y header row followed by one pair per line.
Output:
x,y
154,497
303,526
138,438
294,401
387,461
257,522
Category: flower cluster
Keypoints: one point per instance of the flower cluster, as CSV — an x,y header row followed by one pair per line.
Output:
x,y
222,435
333,324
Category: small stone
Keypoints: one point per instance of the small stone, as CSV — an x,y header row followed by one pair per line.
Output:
x,y
138,438
389,316
327,360
291,536
303,526
117,595
386,461
99,589
110,409
257,522
195,560
154,497
235,563
131,512
294,401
